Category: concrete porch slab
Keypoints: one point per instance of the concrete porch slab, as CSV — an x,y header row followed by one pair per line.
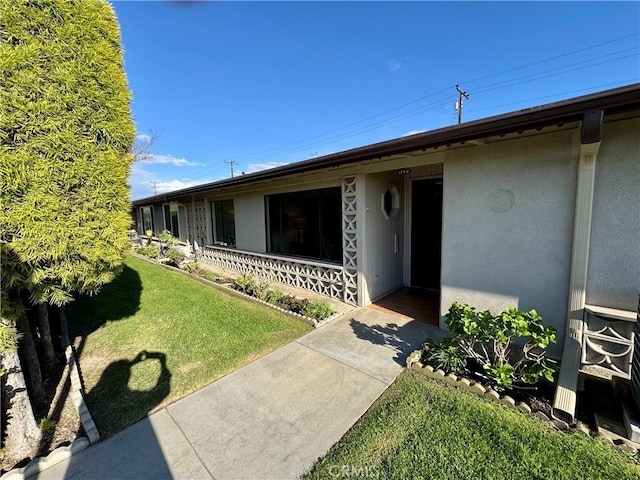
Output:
x,y
371,341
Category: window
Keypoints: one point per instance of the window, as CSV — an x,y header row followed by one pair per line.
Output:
x,y
146,220
391,202
171,222
306,224
224,223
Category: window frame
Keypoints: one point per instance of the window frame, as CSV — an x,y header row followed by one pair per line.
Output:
x,y
320,193
214,217
142,220
169,227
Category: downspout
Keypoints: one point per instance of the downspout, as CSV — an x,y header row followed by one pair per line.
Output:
x,y
193,221
564,402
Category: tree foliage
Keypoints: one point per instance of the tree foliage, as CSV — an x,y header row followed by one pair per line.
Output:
x,y
65,137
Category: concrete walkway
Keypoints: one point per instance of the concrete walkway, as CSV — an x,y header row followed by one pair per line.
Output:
x,y
271,419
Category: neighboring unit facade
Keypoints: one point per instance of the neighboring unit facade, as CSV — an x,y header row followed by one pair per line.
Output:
x,y
493,213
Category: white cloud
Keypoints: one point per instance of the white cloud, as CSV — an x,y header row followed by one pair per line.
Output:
x,y
169,159
256,167
143,138
413,132
394,65
171,185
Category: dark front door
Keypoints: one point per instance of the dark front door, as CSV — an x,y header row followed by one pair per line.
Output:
x,y
426,233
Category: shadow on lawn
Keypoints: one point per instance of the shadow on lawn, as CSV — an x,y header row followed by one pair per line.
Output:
x,y
117,300
114,404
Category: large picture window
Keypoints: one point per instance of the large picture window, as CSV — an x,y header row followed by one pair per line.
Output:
x,y
146,220
224,223
171,222
306,224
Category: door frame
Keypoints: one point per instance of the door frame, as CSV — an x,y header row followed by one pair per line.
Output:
x,y
408,219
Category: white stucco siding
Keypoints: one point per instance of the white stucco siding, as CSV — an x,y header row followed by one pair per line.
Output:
x,y
507,226
250,222
614,255
383,239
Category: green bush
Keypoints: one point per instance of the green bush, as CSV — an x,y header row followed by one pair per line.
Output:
x,y
275,297
489,340
251,286
210,275
317,309
191,267
447,356
65,136
176,255
151,251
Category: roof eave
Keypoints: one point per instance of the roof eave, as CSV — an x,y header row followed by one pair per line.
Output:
x,y
627,97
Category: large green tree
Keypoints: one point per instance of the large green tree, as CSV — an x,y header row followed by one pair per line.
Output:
x,y
65,137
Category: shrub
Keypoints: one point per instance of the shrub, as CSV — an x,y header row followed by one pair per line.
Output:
x,y
275,297
248,284
318,309
296,305
447,356
176,255
191,267
65,134
489,340
210,275
151,251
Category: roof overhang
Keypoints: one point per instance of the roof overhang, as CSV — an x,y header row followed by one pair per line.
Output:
x,y
611,101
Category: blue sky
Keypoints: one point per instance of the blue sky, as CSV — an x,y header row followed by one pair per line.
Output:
x,y
267,83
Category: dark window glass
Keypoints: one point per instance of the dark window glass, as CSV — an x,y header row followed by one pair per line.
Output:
x,y
147,219
171,219
224,222
306,224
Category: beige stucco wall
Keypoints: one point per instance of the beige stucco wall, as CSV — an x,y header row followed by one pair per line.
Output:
x,y
383,263
507,225
614,255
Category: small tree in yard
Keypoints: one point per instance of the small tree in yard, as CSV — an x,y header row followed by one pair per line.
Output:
x,y
65,138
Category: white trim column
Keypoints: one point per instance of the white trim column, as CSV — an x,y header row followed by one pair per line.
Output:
x,y
564,402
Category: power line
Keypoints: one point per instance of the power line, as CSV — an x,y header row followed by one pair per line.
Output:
x,y
282,149
573,52
459,102
231,164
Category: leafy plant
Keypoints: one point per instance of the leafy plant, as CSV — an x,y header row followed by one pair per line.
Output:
x,y
176,255
248,284
490,340
45,425
317,309
296,305
192,267
210,275
151,251
447,356
275,297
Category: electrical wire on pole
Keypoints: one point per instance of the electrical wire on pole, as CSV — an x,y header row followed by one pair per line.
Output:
x,y
459,102
155,187
231,163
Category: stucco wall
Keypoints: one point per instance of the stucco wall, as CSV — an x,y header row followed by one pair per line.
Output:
x,y
507,226
614,254
383,264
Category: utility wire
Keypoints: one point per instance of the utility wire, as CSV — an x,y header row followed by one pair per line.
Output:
x,y
280,150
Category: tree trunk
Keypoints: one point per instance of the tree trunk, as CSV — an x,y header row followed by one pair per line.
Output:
x,y
22,433
28,353
45,337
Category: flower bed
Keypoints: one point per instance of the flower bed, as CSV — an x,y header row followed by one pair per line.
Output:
x,y
315,312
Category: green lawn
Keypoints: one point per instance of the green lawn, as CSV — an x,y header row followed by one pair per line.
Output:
x,y
423,429
153,336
